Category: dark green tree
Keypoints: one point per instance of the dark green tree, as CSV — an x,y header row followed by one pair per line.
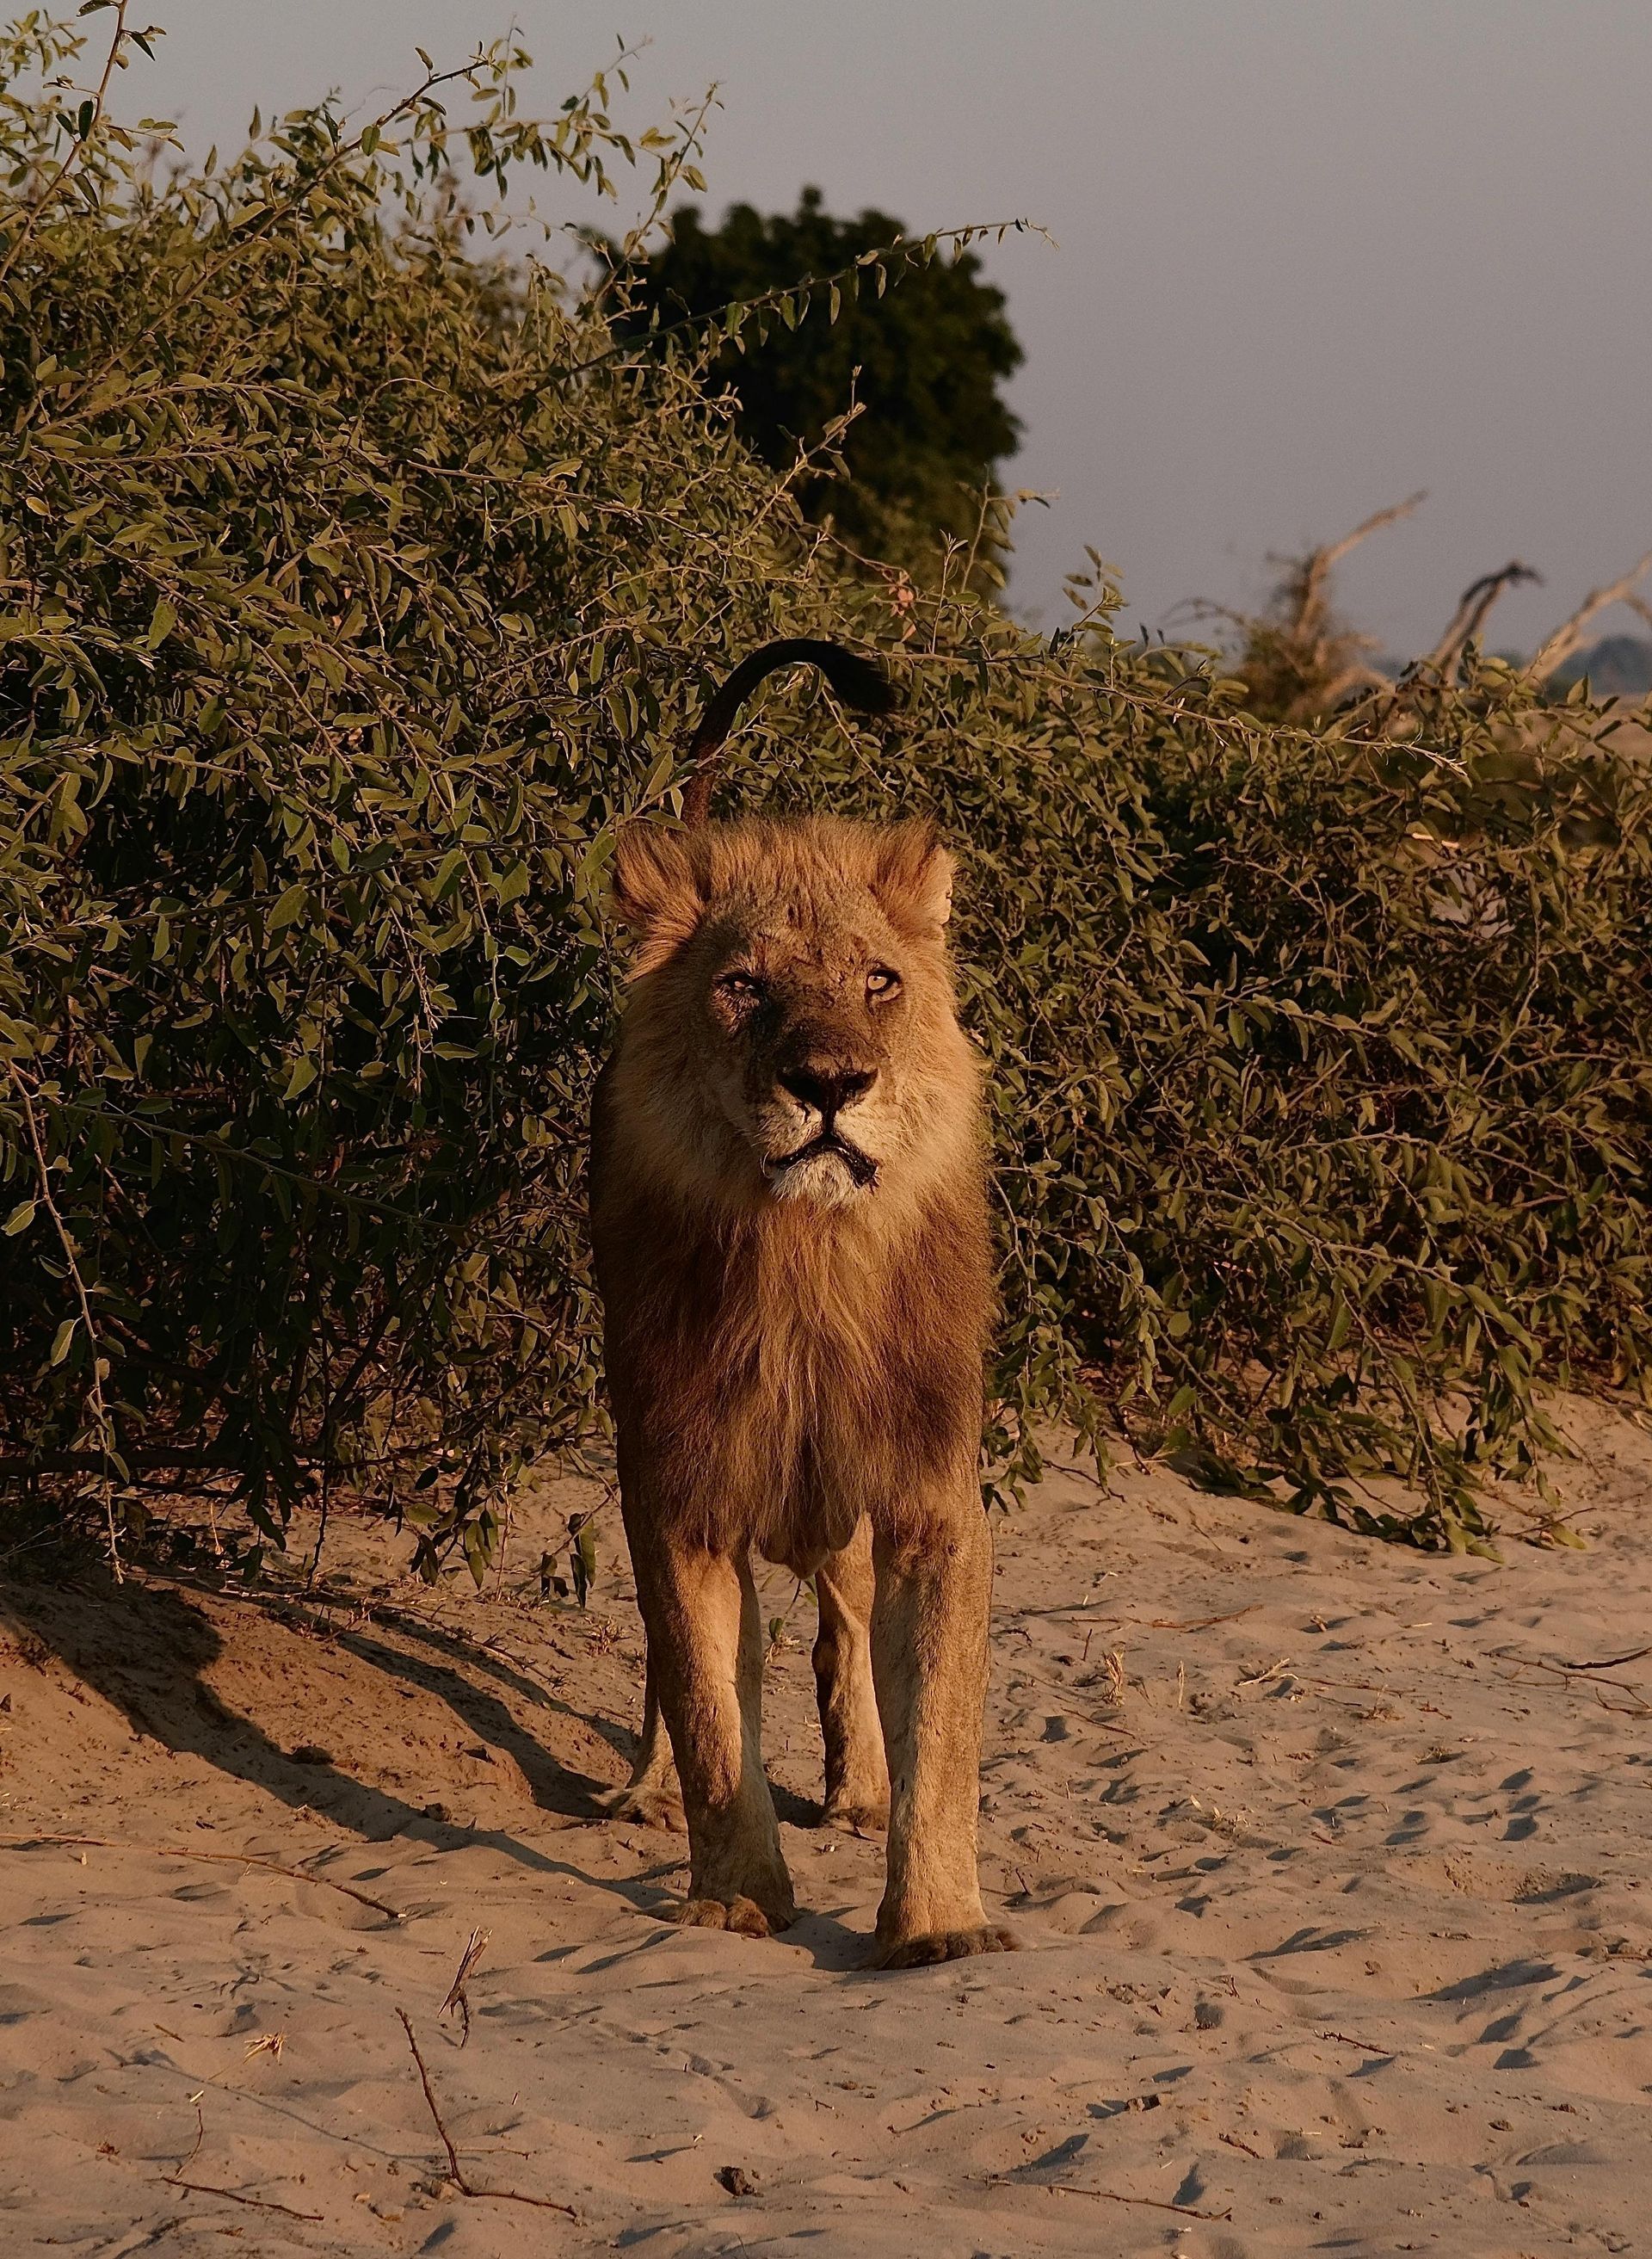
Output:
x,y
922,359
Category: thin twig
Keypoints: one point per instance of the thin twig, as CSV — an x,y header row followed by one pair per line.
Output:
x,y
184,2163
1567,1671
71,1256
263,2203
689,144
1608,1662
80,142
455,2170
1083,1474
1111,2196
1202,1623
216,1858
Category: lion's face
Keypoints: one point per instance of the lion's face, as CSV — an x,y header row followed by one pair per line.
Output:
x,y
791,1027
805,1009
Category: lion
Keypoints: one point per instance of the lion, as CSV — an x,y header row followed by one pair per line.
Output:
x,y
789,1219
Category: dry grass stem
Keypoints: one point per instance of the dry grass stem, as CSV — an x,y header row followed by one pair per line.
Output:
x,y
457,2003
1263,1673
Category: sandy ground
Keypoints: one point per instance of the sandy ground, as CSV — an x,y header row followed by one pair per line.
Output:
x,y
1329,1862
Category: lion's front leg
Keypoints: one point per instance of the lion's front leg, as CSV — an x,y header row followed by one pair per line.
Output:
x,y
705,1645
934,1570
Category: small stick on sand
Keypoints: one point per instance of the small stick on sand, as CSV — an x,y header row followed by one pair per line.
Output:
x,y
216,1858
457,2003
263,2203
1259,1677
455,2170
200,2134
1201,1623
1111,2196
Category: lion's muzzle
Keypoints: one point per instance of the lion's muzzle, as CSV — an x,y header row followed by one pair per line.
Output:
x,y
827,1091
830,1143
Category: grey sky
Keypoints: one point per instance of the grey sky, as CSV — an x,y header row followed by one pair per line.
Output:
x,y
1314,253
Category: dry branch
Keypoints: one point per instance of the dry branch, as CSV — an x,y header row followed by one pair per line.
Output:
x,y
263,2203
455,2170
1319,563
1475,603
1296,657
1567,636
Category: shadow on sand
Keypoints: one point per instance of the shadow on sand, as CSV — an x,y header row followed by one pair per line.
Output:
x,y
146,1646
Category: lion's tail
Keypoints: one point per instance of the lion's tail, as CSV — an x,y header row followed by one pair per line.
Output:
x,y
857,682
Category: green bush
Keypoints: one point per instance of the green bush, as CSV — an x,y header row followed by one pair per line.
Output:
x,y
352,586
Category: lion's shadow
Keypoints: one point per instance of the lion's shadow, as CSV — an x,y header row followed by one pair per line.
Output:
x,y
146,1646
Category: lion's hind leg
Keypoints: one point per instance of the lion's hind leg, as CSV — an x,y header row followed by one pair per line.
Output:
x,y
857,1777
650,1798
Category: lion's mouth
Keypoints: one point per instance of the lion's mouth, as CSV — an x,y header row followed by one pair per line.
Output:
x,y
862,1168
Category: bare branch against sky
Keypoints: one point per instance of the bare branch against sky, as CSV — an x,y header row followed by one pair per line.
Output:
x,y
1311,255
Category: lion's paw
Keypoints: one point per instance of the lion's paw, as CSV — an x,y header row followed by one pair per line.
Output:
x,y
646,1807
934,1945
856,1815
744,1916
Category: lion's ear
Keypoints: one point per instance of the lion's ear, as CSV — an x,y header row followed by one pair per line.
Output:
x,y
914,877
656,886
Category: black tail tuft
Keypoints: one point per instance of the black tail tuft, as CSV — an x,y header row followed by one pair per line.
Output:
x,y
857,680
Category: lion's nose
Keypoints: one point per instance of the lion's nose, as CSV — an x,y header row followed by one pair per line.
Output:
x,y
827,1090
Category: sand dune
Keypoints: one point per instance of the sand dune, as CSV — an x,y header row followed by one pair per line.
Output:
x,y
1332,1881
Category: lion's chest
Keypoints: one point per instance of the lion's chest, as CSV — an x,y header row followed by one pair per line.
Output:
x,y
775,1380
806,1447
768,1418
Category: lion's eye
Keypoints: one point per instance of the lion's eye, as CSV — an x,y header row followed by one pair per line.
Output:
x,y
882,982
740,987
